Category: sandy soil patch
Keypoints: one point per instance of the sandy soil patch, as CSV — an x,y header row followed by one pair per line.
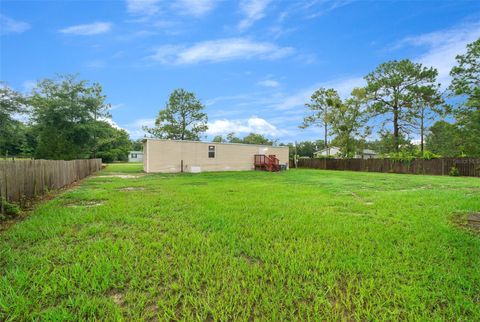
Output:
x,y
132,189
123,176
473,221
85,203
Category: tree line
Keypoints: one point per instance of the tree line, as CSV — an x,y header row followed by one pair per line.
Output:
x,y
67,118
63,118
404,96
400,99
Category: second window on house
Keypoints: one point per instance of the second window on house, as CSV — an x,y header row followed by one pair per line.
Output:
x,y
211,151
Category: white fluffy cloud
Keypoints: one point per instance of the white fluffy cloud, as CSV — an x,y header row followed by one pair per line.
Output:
x,y
218,127
218,51
111,122
95,64
269,83
88,29
195,8
442,47
143,7
343,86
253,124
11,26
116,106
252,10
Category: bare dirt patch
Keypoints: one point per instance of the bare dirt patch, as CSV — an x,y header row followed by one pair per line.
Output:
x,y
152,311
338,299
122,176
473,220
132,189
470,221
117,297
195,183
251,260
361,199
85,203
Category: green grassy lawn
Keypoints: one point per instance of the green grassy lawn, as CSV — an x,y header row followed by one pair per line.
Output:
x,y
302,244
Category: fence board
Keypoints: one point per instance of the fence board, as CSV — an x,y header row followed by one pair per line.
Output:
x,y
466,166
30,178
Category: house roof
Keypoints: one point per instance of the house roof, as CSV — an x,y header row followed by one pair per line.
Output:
x,y
221,143
137,152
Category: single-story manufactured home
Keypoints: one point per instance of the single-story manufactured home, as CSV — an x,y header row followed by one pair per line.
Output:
x,y
196,156
135,156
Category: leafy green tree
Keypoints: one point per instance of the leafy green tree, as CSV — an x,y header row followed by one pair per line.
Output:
x,y
428,103
466,75
137,145
348,121
444,139
308,148
254,138
304,148
232,138
218,138
30,143
65,113
11,129
387,143
319,110
113,144
182,119
391,90
466,84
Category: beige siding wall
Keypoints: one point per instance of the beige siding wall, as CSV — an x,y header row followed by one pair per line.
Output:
x,y
167,156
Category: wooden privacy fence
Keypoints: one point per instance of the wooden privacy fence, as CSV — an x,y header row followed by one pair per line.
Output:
x,y
30,178
466,166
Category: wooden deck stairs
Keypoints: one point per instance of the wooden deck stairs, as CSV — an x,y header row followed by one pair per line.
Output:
x,y
267,163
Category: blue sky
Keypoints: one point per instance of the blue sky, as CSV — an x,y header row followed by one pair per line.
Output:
x,y
252,63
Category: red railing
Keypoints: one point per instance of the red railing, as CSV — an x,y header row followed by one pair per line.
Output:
x,y
267,163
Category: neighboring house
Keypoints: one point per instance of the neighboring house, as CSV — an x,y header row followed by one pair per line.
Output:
x,y
135,156
195,156
334,151
330,151
368,154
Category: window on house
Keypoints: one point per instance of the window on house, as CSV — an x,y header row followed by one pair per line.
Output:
x,y
134,155
211,151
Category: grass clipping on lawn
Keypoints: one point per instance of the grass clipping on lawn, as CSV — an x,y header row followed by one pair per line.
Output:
x,y
301,244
